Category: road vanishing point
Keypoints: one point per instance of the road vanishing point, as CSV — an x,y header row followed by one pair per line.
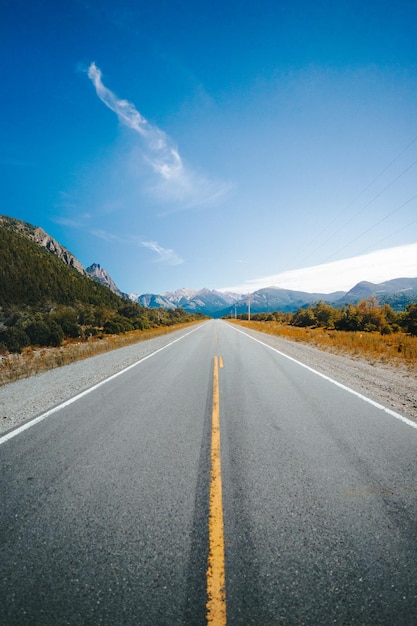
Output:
x,y
216,481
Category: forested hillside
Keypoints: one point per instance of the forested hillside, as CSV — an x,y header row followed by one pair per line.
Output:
x,y
44,301
31,276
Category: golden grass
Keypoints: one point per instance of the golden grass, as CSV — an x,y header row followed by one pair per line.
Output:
x,y
395,349
36,360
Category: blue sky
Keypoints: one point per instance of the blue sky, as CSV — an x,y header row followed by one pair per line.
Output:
x,y
211,144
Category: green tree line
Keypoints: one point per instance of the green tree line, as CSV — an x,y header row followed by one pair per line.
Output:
x,y
366,316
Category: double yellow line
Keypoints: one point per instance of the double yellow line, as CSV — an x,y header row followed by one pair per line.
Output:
x,y
216,581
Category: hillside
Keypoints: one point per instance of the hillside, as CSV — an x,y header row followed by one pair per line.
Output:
x,y
46,296
42,238
397,292
31,276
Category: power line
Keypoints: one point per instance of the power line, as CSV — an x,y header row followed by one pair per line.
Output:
x,y
392,234
355,215
352,202
371,227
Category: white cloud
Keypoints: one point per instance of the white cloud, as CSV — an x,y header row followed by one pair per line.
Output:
x,y
375,267
165,255
176,181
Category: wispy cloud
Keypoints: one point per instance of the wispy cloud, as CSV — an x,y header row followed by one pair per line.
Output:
x,y
163,155
165,255
79,221
177,182
110,237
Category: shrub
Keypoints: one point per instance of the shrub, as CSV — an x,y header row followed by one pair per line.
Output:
x,y
141,324
38,333
14,338
111,327
68,321
44,332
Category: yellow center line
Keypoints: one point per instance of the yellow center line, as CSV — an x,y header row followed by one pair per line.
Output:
x,y
216,582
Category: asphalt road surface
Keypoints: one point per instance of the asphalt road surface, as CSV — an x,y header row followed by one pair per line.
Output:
x,y
119,508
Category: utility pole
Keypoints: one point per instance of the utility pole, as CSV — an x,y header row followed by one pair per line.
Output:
x,y
248,307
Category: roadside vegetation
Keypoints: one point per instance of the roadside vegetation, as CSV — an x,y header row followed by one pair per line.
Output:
x,y
22,328
35,359
33,341
377,333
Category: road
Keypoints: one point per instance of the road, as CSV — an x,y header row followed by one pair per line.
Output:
x,y
216,472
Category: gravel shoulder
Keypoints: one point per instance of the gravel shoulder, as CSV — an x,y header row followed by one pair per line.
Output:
x,y
394,387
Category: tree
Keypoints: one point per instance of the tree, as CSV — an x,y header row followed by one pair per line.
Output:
x,y
304,317
325,314
410,318
350,319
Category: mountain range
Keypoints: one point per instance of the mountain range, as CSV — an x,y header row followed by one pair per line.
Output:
x,y
207,301
397,292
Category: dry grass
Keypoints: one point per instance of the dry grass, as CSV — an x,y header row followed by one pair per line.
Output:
x,y
37,360
395,349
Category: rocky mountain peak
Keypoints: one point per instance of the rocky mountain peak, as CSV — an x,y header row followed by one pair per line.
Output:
x,y
98,273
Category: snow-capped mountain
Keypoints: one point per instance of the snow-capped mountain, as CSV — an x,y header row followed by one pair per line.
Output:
x,y
207,301
180,295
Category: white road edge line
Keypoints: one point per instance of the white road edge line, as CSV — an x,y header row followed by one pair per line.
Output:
x,y
334,382
55,409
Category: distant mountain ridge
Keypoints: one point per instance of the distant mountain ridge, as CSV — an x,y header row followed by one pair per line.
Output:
x,y
397,286
218,304
397,292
